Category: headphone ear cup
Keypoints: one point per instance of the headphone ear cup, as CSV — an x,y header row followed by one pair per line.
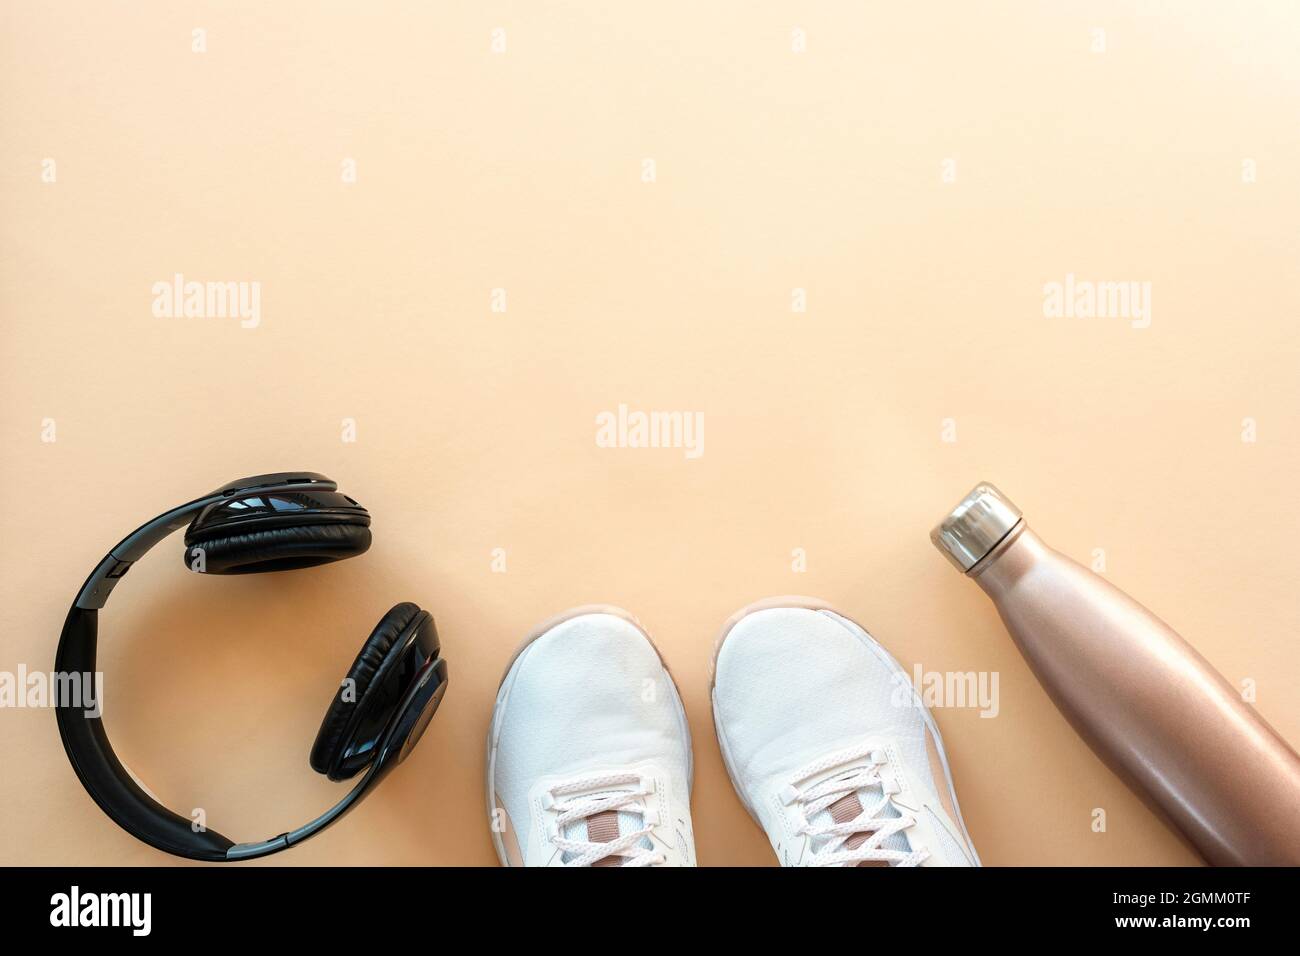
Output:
x,y
277,549
350,701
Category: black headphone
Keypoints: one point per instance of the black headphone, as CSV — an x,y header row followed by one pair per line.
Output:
x,y
275,522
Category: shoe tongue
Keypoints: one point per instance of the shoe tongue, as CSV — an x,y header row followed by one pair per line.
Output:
x,y
605,827
849,807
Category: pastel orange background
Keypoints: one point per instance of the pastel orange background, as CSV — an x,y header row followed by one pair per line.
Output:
x,y
475,430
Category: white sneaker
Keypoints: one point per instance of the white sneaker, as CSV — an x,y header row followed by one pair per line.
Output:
x,y
589,752
828,745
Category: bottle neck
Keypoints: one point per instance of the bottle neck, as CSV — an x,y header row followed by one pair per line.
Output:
x,y
1012,558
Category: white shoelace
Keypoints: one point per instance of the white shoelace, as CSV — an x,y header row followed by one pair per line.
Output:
x,y
579,809
818,798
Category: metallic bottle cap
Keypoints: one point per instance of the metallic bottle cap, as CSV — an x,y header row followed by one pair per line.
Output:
x,y
974,527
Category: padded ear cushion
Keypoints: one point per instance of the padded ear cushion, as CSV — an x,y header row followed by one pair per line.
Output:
x,y
333,729
280,549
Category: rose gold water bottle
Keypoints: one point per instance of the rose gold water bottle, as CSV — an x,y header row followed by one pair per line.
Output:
x,y
1145,701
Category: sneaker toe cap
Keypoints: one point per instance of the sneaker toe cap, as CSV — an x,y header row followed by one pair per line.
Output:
x,y
792,682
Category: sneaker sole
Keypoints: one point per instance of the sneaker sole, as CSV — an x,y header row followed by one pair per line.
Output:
x,y
507,681
878,650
